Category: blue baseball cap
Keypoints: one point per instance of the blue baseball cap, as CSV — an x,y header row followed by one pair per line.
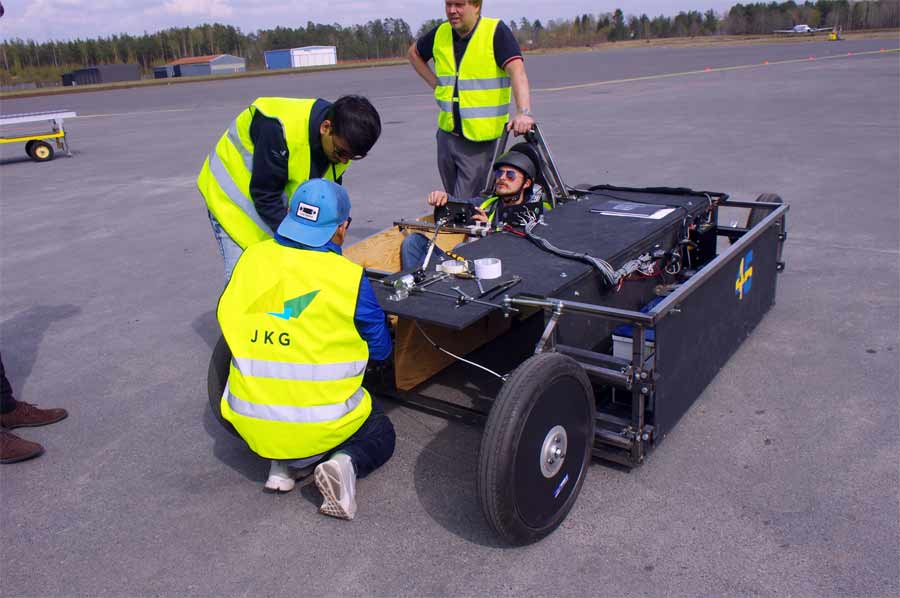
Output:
x,y
317,208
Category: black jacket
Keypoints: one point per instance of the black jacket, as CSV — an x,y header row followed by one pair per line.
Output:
x,y
270,162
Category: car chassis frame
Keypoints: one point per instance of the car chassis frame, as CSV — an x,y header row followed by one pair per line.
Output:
x,y
567,403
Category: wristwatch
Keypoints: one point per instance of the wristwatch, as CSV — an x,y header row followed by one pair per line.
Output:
x,y
526,112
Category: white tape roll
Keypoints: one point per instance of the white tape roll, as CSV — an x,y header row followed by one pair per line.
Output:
x,y
488,268
453,267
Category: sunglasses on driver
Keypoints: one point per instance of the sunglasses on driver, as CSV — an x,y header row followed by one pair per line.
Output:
x,y
509,174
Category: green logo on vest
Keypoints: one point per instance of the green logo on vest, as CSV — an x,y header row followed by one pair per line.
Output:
x,y
294,307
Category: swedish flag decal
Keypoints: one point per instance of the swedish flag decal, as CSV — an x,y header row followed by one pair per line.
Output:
x,y
745,276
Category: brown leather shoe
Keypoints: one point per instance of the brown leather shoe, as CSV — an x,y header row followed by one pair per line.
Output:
x,y
14,449
26,415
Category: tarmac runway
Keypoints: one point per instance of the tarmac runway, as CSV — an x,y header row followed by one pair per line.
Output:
x,y
781,480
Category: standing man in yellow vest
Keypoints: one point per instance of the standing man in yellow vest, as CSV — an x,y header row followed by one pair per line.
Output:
x,y
302,323
268,151
476,63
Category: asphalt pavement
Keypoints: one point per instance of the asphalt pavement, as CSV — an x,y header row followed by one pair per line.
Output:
x,y
781,480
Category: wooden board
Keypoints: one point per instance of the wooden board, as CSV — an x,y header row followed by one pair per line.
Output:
x,y
381,251
415,359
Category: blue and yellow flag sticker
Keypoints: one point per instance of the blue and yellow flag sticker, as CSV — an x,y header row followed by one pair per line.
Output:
x,y
744,280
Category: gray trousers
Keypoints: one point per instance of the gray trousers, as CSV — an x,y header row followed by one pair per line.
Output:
x,y
463,164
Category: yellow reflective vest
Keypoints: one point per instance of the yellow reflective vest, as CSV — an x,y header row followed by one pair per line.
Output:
x,y
224,179
294,387
483,87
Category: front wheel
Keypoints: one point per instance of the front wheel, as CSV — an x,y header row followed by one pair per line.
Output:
x,y
41,151
536,448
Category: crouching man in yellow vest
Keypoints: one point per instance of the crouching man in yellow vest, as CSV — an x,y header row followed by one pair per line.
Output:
x,y
268,151
302,322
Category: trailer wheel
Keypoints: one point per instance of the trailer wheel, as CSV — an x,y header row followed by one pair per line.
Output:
x,y
216,377
756,216
41,151
28,147
536,448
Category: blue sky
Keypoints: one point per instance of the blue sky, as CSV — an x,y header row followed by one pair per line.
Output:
x,y
42,20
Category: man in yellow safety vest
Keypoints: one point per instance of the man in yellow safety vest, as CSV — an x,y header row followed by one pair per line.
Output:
x,y
477,61
269,150
302,322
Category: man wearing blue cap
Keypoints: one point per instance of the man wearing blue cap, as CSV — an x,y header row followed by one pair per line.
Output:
x,y
302,322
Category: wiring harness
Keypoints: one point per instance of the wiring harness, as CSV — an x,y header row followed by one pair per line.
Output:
x,y
611,276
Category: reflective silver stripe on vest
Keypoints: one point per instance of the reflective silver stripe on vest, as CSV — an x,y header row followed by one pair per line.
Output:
x,y
307,372
484,112
483,84
445,106
219,172
293,415
236,141
446,81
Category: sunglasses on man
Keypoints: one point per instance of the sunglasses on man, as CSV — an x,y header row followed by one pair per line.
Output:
x,y
510,174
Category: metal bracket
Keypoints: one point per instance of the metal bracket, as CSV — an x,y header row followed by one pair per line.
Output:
x,y
629,377
548,338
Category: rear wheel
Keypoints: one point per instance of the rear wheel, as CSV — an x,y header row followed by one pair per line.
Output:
x,y
41,151
216,377
536,448
758,214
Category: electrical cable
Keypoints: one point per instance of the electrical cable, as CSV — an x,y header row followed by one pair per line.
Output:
x,y
605,269
457,357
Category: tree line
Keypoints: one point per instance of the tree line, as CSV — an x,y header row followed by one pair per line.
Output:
x,y
757,18
22,60
31,61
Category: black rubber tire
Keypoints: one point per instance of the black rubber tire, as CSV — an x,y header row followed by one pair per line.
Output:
x,y
41,151
756,216
28,147
518,501
216,377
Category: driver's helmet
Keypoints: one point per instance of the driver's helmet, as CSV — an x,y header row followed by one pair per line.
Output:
x,y
518,160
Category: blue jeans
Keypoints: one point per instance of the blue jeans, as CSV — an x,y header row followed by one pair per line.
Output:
x,y
413,250
369,448
228,249
372,445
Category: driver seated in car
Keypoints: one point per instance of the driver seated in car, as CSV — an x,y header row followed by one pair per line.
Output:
x,y
514,175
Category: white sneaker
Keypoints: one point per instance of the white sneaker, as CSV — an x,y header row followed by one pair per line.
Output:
x,y
336,480
281,478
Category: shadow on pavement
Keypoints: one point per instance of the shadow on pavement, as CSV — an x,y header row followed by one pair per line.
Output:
x,y
15,160
228,447
445,478
207,327
446,470
232,451
21,337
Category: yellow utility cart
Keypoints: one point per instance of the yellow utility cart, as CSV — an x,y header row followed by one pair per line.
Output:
x,y
18,128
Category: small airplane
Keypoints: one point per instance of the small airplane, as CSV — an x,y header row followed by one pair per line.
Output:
x,y
803,29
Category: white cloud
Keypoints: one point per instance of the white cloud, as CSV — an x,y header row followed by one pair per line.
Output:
x,y
214,9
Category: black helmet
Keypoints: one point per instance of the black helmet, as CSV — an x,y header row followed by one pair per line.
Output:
x,y
518,160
